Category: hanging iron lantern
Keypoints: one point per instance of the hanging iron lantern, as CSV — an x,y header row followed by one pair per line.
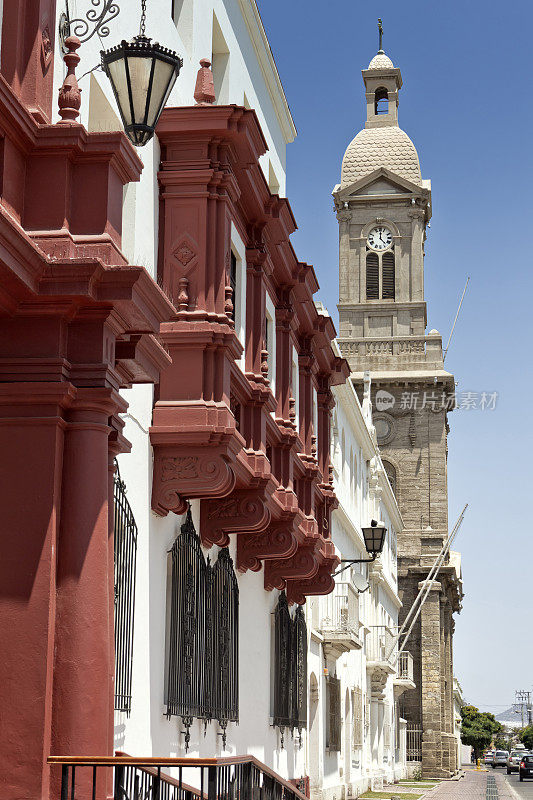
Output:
x,y
142,74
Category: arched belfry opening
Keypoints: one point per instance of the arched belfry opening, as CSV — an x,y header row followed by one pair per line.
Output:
x,y
381,101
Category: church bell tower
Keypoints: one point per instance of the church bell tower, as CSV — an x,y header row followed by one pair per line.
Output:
x,y
383,207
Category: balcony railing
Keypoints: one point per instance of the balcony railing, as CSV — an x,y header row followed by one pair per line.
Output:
x,y
405,666
339,622
237,778
341,609
379,644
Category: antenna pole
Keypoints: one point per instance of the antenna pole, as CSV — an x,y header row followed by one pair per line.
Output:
x,y
455,320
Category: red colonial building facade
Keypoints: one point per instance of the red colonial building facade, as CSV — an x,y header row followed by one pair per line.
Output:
x,y
239,422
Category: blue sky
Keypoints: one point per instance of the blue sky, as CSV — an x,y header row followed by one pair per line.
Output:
x,y
466,69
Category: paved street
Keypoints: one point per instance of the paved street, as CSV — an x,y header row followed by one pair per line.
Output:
x,y
474,787
524,789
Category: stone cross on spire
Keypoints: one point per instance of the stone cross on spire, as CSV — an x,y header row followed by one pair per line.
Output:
x,y
380,29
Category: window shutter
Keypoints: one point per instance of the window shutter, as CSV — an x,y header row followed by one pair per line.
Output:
x,y
387,276
372,276
333,697
357,719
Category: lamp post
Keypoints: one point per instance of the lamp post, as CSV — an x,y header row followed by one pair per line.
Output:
x,y
374,538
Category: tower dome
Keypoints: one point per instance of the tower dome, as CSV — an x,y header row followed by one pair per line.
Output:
x,y
381,61
372,148
381,143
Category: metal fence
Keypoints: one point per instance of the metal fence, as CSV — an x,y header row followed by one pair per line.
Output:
x,y
414,742
127,778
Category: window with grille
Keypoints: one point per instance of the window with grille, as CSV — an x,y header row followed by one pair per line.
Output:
x,y
125,550
391,474
357,718
202,672
290,659
380,276
333,710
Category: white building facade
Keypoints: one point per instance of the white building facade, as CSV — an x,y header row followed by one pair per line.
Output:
x,y
357,739
350,736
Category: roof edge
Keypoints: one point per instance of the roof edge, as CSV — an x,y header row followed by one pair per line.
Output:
x,y
267,63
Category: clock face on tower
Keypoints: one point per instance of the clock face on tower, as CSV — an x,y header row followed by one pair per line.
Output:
x,y
379,238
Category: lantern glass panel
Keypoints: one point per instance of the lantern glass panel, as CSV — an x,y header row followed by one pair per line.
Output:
x,y
161,88
139,69
117,73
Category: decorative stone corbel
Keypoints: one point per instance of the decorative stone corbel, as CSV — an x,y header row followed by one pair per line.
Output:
x,y
244,511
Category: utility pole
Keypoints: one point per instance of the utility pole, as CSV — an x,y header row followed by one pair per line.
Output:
x,y
522,705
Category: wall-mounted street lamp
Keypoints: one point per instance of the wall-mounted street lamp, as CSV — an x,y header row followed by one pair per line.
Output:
x,y
374,538
141,72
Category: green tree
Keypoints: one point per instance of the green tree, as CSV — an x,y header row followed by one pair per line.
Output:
x,y
526,736
478,728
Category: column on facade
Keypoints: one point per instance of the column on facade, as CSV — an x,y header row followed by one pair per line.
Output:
x,y
431,682
375,733
31,439
347,276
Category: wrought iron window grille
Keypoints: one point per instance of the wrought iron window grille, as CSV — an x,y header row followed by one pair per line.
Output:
x,y
125,549
290,678
202,679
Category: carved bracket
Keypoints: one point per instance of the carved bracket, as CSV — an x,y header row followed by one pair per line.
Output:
x,y
321,583
303,564
244,511
378,681
277,542
195,472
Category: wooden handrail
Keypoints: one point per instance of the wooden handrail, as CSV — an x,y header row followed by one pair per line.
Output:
x,y
169,761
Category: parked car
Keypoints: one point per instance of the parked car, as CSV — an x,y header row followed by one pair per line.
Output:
x,y
513,761
525,770
500,758
488,757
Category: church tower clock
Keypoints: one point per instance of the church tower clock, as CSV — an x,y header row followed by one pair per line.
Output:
x,y
383,207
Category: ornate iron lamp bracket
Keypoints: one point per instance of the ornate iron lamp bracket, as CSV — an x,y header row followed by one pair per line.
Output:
x,y
96,20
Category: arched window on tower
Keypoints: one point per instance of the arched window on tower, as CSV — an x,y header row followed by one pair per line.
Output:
x,y
387,276
372,276
391,474
381,102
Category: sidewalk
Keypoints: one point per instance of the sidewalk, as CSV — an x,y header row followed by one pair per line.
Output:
x,y
472,787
